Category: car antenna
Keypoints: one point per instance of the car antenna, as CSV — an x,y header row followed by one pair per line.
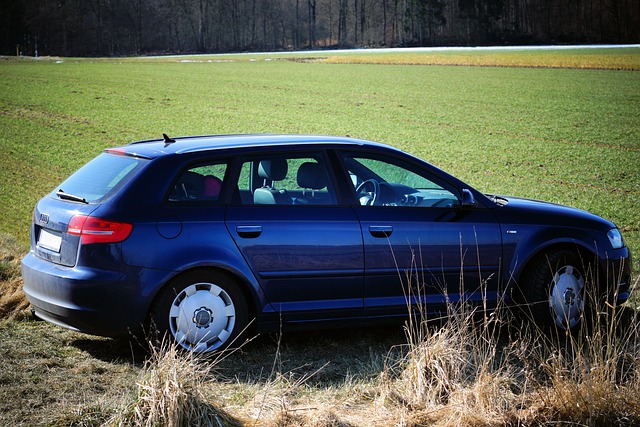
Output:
x,y
167,139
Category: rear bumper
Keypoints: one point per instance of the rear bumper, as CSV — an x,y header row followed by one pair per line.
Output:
x,y
97,302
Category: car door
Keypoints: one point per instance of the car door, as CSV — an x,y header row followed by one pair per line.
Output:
x,y
420,243
304,248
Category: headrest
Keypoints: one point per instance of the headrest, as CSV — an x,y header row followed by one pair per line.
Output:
x,y
310,175
191,183
274,169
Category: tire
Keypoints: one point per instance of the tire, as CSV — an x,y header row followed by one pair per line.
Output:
x,y
554,290
202,311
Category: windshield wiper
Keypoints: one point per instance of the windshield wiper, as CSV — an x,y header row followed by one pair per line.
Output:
x,y
66,196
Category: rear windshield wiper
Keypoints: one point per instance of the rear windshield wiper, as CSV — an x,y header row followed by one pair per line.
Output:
x,y
66,196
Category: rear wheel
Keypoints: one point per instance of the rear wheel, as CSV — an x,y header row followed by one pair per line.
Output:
x,y
203,312
554,290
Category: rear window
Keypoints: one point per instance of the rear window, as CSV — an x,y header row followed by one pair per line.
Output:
x,y
101,177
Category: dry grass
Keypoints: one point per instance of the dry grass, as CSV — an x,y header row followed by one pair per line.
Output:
x,y
172,392
457,373
13,302
592,378
610,59
465,370
471,372
462,372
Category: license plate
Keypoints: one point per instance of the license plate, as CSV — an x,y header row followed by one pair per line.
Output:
x,y
50,241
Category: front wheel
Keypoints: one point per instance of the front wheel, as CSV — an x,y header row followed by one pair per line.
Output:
x,y
202,312
554,290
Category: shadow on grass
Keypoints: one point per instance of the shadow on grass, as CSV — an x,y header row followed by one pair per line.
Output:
x,y
112,350
325,358
331,354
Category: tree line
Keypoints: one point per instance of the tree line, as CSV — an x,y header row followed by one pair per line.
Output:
x,y
134,27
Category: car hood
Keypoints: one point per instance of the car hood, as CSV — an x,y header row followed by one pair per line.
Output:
x,y
528,211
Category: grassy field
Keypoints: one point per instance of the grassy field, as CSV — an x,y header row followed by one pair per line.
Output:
x,y
563,135
520,124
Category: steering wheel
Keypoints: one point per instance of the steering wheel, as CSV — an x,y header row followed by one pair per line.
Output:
x,y
368,192
443,203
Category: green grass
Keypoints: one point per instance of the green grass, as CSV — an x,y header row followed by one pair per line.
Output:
x,y
565,135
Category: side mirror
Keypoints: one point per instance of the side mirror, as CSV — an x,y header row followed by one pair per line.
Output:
x,y
468,201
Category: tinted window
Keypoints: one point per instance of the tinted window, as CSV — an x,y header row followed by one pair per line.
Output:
x,y
286,180
101,177
387,182
202,183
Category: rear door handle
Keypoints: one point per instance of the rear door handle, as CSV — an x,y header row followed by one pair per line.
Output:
x,y
380,230
249,231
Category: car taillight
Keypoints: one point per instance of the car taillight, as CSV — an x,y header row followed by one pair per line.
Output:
x,y
98,230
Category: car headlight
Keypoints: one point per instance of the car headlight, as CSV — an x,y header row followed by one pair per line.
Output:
x,y
615,238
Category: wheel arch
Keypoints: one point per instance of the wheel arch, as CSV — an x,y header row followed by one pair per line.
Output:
x,y
249,292
521,265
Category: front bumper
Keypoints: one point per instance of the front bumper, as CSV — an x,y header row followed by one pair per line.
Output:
x,y
616,273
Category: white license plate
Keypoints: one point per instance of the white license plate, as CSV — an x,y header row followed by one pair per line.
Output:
x,y
50,241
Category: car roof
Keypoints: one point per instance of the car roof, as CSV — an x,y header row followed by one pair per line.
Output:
x,y
181,145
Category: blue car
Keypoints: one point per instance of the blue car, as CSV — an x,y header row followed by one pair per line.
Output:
x,y
201,237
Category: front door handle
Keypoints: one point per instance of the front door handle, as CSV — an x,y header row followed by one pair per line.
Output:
x,y
380,230
249,231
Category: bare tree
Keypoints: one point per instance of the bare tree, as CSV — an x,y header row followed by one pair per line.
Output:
x,y
114,27
312,22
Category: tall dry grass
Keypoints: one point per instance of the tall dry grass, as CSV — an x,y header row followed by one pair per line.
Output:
x,y
173,391
592,378
472,369
457,372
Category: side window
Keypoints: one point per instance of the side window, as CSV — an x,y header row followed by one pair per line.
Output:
x,y
202,183
286,180
385,183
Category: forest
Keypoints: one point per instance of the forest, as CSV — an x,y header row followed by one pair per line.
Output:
x,y
143,27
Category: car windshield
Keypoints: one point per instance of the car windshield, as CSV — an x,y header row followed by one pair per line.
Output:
x,y
389,172
99,178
